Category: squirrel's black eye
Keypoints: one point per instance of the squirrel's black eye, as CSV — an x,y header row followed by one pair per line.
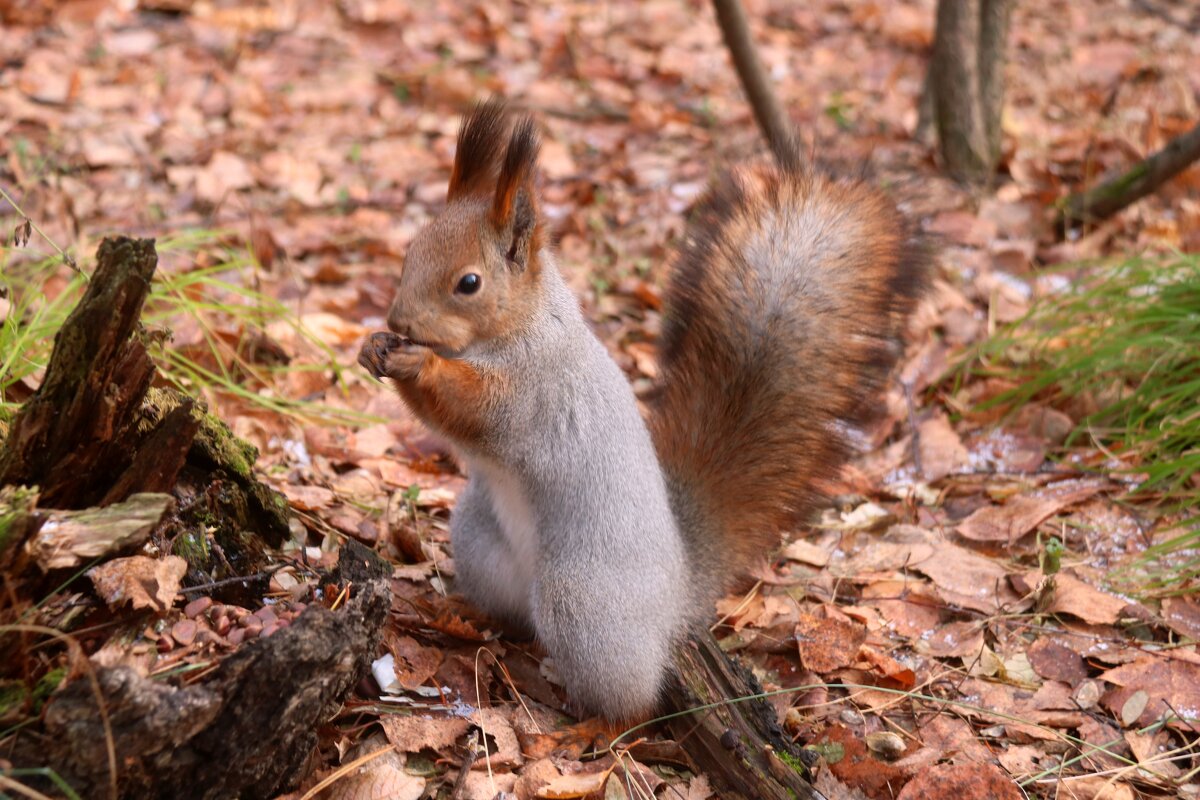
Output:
x,y
468,284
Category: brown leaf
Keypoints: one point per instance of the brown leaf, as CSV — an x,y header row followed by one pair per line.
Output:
x,y
1152,751
1073,596
1182,615
415,732
806,553
384,776
1056,662
828,644
960,782
568,787
968,579
1166,681
414,663
1093,787
144,582
955,640
909,607
1023,513
307,498
942,451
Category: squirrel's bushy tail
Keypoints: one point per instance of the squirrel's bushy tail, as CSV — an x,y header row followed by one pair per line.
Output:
x,y
785,311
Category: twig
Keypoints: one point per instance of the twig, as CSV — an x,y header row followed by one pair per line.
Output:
x,y
67,258
767,111
915,441
258,576
473,754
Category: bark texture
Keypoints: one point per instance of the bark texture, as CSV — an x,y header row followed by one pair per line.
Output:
x,y
740,744
966,81
246,731
767,111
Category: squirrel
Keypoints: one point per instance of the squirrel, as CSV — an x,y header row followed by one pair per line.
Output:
x,y
605,534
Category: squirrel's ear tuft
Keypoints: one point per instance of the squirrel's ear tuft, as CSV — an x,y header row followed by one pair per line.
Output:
x,y
514,207
480,144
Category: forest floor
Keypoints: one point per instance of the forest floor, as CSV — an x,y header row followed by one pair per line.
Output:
x,y
298,145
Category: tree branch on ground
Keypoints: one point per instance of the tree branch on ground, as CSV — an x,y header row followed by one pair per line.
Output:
x,y
1132,185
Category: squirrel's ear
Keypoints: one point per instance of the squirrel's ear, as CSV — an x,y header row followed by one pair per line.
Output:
x,y
480,141
514,208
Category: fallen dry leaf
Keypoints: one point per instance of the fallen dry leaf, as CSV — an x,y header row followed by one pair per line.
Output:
x,y
1182,615
568,787
942,451
144,582
1072,596
960,782
828,644
967,579
1056,662
1168,683
414,663
1094,787
1023,513
411,733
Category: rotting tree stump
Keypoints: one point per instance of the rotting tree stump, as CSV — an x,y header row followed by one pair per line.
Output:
x,y
97,436
96,432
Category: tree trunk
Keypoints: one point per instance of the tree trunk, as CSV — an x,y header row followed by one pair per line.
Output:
x,y
967,83
771,120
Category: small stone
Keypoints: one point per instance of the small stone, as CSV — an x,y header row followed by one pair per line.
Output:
x,y
164,643
184,632
197,607
222,625
253,629
886,745
236,636
267,615
270,628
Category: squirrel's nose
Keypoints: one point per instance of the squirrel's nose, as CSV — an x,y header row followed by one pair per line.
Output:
x,y
396,320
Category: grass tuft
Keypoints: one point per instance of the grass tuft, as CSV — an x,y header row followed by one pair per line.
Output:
x,y
211,296
1121,353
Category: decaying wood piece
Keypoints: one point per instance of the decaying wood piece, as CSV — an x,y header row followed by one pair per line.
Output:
x,y
95,433
68,539
245,731
738,744
69,437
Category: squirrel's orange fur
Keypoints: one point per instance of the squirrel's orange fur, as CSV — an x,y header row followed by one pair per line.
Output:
x,y
605,535
783,316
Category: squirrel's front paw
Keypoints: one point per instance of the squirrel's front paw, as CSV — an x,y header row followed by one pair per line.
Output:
x,y
375,350
404,363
